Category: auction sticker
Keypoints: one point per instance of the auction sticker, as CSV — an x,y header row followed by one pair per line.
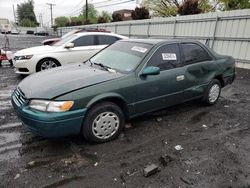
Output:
x,y
169,56
139,49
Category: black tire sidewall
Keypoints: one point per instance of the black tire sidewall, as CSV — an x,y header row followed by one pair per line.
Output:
x,y
206,95
39,64
93,113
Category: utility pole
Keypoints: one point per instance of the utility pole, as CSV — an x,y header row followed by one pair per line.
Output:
x,y
51,14
41,19
86,11
14,12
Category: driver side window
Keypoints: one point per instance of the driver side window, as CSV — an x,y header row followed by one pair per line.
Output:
x,y
166,57
84,41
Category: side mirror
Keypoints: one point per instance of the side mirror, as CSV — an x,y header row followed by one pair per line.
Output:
x,y
151,71
69,45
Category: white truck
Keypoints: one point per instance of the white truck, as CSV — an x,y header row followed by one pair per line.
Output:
x,y
5,26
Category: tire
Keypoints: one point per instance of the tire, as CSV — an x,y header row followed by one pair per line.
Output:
x,y
212,93
51,63
105,117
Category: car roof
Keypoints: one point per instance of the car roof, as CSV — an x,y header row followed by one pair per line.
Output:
x,y
154,41
95,33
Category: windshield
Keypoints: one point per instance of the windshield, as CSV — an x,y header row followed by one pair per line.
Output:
x,y
122,56
69,34
64,40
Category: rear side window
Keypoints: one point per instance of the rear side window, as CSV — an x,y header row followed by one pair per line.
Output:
x,y
85,41
106,40
194,53
166,57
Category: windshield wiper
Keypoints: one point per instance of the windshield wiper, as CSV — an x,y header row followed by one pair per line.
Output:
x,y
105,67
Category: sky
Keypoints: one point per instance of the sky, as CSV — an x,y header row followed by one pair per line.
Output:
x,y
63,7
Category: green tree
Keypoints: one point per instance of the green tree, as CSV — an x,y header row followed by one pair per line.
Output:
x,y
140,13
234,4
92,14
163,8
106,15
27,23
26,14
116,17
189,7
166,8
61,21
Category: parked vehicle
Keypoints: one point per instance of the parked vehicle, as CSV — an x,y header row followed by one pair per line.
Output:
x,y
54,40
125,80
41,33
29,32
78,47
5,26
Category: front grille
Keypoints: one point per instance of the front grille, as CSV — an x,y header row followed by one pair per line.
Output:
x,y
20,97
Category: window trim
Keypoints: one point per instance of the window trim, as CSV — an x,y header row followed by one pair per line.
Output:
x,y
146,63
202,47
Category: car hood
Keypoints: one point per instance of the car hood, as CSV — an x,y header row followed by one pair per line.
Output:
x,y
35,50
58,81
51,39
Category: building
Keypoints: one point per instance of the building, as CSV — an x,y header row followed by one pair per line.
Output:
x,y
125,13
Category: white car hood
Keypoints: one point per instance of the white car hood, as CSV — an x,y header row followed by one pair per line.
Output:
x,y
35,50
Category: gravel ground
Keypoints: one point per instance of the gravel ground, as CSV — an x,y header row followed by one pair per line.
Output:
x,y
215,142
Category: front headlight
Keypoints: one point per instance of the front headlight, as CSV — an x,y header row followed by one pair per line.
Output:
x,y
23,57
51,106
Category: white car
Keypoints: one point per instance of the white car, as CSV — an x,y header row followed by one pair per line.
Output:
x,y
78,47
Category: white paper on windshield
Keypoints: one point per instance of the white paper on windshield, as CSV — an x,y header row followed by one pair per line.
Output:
x,y
169,56
139,49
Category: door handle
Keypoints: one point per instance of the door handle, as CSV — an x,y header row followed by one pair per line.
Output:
x,y
180,77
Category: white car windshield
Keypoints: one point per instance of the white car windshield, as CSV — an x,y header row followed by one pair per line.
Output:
x,y
122,56
69,34
64,40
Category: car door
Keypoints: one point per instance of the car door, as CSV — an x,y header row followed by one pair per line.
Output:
x,y
158,91
199,68
84,47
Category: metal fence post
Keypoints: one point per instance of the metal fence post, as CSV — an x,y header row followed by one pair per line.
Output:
x,y
129,30
214,34
174,28
148,31
116,28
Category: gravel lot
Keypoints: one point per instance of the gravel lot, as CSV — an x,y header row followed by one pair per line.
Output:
x,y
215,142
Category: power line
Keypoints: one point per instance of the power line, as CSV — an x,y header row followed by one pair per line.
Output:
x,y
14,12
114,4
103,2
77,6
79,10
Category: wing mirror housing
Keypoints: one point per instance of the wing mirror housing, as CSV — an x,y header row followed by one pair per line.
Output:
x,y
150,71
69,45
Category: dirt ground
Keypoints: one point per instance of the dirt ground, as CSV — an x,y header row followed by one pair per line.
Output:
x,y
215,142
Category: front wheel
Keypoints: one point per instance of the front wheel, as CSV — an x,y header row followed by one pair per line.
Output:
x,y
103,122
46,64
212,93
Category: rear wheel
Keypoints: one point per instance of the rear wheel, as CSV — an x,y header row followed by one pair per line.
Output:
x,y
103,122
212,93
46,64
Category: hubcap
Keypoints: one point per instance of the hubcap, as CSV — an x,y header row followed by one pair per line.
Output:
x,y
48,65
214,93
105,125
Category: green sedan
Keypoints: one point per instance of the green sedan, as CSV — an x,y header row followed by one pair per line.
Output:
x,y
125,80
